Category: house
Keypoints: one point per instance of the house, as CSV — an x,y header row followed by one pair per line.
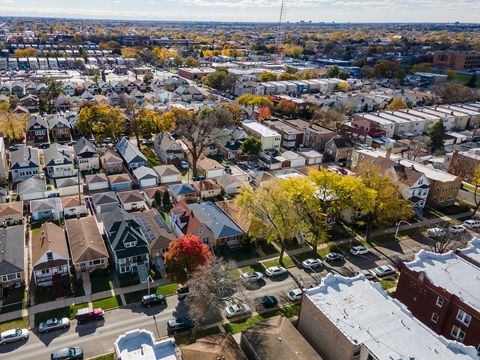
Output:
x,y
150,194
183,192
59,128
86,244
111,162
50,209
207,189
68,186
218,346
73,206
131,200
271,139
86,155
12,257
105,202
126,243
183,221
443,292
141,345
3,195
293,159
158,234
168,149
353,318
210,168
37,130
49,254
29,102
24,163
59,162
131,155
3,158
292,137
11,213
230,184
145,177
234,212
412,184
168,174
32,188
97,182
291,346
338,149
120,182
312,157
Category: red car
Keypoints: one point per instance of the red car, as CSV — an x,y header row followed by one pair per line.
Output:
x,y
88,314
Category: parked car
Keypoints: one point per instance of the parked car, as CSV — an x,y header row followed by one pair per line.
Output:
x,y
471,224
274,271
251,277
147,142
369,274
179,325
436,232
88,314
184,164
384,271
72,353
359,250
13,335
53,324
457,229
238,309
268,301
182,292
295,294
312,263
333,257
153,299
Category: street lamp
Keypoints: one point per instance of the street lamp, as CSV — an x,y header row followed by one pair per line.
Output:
x,y
398,226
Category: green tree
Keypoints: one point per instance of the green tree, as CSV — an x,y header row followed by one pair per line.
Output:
x,y
158,198
166,202
252,146
333,71
267,76
220,80
437,136
148,77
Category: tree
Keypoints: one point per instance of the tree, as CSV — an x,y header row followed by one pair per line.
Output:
x,y
452,75
287,76
27,52
452,93
422,67
387,69
158,198
199,129
128,52
437,136
12,126
293,50
184,256
286,108
472,82
476,192
235,110
220,80
148,77
385,206
396,104
252,146
264,113
445,240
267,76
332,71
329,118
343,86
255,101
166,202
272,212
100,120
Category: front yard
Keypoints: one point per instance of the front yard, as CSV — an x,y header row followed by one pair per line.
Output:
x,y
108,303
128,280
101,280
20,323
166,290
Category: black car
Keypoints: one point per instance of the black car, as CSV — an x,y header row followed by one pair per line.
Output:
x,y
333,257
153,299
268,301
44,146
72,353
182,292
179,325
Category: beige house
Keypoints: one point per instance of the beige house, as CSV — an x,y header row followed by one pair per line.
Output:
x,y
207,188
11,213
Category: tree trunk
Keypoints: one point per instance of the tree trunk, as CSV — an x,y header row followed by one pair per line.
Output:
x,y
477,203
476,209
282,251
369,227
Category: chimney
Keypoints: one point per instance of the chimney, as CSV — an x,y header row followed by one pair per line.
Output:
x,y
389,153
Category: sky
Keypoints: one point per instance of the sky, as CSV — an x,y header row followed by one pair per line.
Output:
x,y
340,11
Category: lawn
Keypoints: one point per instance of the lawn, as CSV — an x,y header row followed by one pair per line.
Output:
x,y
14,324
110,356
108,303
152,158
166,290
13,300
458,208
128,280
388,283
237,326
252,268
234,273
56,313
287,262
101,281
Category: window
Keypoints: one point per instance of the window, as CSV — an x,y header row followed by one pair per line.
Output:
x,y
434,318
49,256
458,333
439,302
130,244
463,317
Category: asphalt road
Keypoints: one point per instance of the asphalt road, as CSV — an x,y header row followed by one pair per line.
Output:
x,y
466,195
98,338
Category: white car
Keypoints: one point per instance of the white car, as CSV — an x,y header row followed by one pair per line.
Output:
x,y
457,229
436,232
384,271
13,335
184,164
359,250
275,271
251,277
237,310
312,263
295,294
471,224
53,324
369,274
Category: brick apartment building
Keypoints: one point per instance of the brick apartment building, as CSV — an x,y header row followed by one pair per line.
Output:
x,y
457,60
463,163
443,292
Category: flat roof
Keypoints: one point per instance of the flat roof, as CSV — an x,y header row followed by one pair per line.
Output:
x,y
473,250
394,118
141,345
378,119
366,315
450,272
422,114
260,129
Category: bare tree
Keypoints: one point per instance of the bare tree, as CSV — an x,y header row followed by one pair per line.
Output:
x,y
443,239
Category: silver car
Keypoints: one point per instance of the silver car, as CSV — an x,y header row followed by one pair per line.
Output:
x,y
53,324
13,335
251,277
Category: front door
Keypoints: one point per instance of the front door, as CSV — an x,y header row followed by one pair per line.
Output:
x,y
83,266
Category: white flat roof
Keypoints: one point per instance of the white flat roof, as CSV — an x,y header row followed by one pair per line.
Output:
x,y
394,118
450,272
261,129
366,315
418,112
378,119
473,250
141,345
429,171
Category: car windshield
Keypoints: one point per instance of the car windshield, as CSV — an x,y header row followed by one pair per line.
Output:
x,y
18,332
72,352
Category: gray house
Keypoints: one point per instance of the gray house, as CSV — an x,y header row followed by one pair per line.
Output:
x,y
32,188
59,162
168,149
12,257
105,202
86,155
24,163
131,155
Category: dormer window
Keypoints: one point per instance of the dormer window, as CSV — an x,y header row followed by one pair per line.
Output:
x,y
130,244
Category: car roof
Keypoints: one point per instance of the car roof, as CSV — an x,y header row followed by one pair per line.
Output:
x,y
8,332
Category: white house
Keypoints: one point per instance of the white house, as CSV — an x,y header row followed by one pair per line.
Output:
x,y
86,155
50,209
32,188
271,139
312,157
131,200
295,159
413,184
73,207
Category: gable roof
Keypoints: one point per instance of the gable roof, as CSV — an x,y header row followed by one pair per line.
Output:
x,y
110,156
206,185
105,198
181,189
242,219
215,219
166,170
34,183
207,164
84,239
49,238
129,152
219,346
130,196
57,155
51,204
12,247
96,178
157,233
13,208
150,192
72,201
36,120
119,178
58,122
83,147
24,154
144,172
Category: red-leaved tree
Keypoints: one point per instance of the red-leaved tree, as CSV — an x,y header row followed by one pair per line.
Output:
x,y
264,113
184,256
